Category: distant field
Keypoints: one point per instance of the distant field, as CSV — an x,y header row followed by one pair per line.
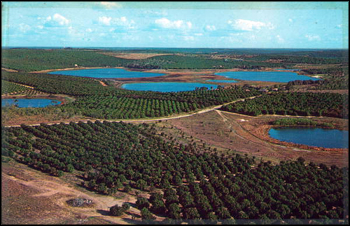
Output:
x,y
133,56
26,59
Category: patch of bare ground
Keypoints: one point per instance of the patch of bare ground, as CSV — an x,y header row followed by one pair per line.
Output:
x,y
8,70
249,135
31,197
134,56
65,69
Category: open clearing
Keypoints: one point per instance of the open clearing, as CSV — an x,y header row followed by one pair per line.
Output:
x,y
248,135
134,56
32,197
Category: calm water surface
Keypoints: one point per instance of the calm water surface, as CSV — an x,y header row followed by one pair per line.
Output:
x,y
107,73
266,76
34,103
327,138
166,86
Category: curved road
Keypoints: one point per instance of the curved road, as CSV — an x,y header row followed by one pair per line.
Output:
x,y
145,120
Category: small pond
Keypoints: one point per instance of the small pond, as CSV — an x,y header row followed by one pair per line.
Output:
x,y
167,86
25,103
265,76
107,73
221,81
327,138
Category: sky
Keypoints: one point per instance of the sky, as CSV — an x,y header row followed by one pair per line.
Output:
x,y
176,24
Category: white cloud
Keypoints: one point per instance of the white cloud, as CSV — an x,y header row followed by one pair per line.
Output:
x,y
210,28
198,34
105,20
24,27
188,38
279,39
61,20
249,25
55,20
313,37
110,5
290,20
120,22
177,24
89,30
155,13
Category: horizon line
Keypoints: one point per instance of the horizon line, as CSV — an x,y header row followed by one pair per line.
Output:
x,y
166,47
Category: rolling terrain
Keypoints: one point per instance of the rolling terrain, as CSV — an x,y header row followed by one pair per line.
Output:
x,y
195,156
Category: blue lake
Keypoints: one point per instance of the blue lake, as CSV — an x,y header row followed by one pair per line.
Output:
x,y
266,76
107,73
25,103
327,138
166,86
221,81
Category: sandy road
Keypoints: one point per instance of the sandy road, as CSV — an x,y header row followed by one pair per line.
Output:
x,y
60,192
146,120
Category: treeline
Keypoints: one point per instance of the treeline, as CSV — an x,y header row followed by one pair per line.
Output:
x,y
186,182
26,60
43,59
153,104
9,87
332,79
303,104
57,84
40,59
308,59
300,122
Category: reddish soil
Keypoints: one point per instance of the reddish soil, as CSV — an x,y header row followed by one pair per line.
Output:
x,y
249,135
31,197
133,56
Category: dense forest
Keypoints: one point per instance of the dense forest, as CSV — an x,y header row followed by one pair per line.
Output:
x,y
186,182
334,78
294,103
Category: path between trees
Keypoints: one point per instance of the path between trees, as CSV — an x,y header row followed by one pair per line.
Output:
x,y
147,120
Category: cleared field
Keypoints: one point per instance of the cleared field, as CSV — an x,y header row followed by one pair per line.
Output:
x,y
248,135
133,56
31,197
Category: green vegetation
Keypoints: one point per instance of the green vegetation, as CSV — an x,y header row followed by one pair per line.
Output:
x,y
194,183
196,62
300,122
55,84
41,59
12,88
333,79
304,104
118,210
44,59
129,104
94,100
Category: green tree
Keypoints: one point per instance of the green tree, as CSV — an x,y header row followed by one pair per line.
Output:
x,y
116,210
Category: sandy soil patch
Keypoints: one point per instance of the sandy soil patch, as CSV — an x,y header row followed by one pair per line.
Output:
x,y
8,70
31,197
134,56
249,135
102,83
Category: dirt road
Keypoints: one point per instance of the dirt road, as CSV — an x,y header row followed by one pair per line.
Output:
x,y
56,192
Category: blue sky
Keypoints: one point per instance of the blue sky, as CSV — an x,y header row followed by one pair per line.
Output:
x,y
176,24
